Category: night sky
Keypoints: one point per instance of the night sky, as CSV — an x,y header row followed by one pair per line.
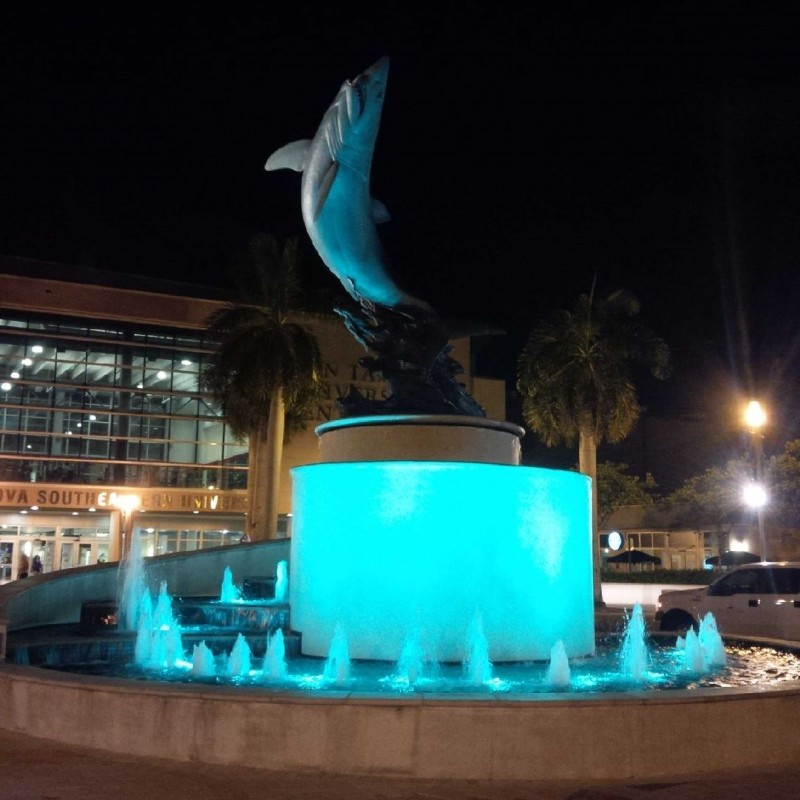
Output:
x,y
525,150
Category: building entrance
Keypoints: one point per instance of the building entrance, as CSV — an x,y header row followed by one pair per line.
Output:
x,y
57,542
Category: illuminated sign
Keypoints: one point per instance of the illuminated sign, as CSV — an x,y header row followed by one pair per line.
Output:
x,y
55,496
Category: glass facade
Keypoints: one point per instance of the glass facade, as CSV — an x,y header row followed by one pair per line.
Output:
x,y
110,404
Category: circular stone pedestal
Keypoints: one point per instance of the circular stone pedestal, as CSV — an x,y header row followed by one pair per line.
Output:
x,y
428,530
420,438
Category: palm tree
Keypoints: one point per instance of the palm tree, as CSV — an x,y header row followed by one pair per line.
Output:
x,y
264,371
574,375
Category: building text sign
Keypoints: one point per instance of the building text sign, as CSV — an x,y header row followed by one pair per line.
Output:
x,y
23,496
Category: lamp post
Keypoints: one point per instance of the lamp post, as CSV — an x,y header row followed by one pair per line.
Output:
x,y
127,504
755,418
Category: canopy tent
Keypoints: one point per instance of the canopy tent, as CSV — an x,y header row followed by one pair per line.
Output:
x,y
633,557
732,558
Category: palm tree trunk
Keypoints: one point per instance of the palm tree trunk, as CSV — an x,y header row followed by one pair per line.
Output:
x,y
274,448
256,497
263,478
587,464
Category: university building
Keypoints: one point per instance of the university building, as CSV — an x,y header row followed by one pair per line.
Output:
x,y
102,406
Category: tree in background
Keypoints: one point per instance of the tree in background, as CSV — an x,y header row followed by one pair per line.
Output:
x,y
783,479
617,488
575,378
712,499
264,371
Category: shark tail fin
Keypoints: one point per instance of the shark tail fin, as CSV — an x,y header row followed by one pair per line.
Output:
x,y
290,156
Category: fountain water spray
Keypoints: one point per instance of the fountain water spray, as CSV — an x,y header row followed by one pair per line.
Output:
x,y
228,593
158,638
693,660
240,658
711,642
202,661
281,582
337,666
410,663
558,672
477,664
634,654
132,574
703,650
274,668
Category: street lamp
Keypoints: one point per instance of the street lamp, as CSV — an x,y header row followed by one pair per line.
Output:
x,y
755,495
127,504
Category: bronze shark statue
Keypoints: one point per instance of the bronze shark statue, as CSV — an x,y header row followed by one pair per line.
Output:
x,y
340,216
339,212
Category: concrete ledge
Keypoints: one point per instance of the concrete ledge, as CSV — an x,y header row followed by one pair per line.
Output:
x,y
632,736
57,597
420,438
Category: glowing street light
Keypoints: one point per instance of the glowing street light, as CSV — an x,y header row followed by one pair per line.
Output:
x,y
755,417
755,495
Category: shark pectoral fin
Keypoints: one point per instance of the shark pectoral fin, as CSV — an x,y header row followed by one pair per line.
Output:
x,y
379,211
325,186
290,156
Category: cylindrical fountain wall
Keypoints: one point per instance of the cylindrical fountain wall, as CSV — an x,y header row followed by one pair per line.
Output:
x,y
391,549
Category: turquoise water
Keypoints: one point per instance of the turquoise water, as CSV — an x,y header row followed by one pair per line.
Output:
x,y
603,673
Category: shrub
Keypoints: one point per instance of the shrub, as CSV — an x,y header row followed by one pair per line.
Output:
x,y
699,576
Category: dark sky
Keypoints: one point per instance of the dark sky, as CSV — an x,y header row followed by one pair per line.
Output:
x,y
524,150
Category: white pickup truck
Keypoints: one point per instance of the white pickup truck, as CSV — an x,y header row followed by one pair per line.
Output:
x,y
754,600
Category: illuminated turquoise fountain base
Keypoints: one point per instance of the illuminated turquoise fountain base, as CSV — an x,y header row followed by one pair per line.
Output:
x,y
392,550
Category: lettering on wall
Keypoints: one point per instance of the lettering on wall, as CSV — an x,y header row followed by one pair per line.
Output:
x,y
58,497
336,382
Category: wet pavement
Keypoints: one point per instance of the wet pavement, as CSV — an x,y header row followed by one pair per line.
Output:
x,y
35,769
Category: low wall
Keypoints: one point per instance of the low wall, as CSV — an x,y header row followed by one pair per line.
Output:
x,y
56,598
645,594
647,736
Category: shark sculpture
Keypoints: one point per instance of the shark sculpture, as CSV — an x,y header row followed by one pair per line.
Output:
x,y
340,216
338,210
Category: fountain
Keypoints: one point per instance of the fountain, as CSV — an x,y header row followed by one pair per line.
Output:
x,y
634,646
203,662
558,673
228,593
337,666
274,667
158,639
240,658
282,582
419,531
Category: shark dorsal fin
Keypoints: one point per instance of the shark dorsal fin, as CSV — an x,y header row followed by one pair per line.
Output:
x,y
290,156
379,211
325,186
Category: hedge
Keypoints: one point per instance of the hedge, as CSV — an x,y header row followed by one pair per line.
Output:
x,y
699,576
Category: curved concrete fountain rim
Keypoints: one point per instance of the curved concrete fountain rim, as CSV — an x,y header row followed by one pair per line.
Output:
x,y
454,420
262,693
428,735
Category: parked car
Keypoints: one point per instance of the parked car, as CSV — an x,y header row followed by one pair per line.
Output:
x,y
754,600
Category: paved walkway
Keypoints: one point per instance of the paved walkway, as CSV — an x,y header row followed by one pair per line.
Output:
x,y
34,769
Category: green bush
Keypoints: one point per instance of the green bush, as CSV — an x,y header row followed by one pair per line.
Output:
x,y
699,576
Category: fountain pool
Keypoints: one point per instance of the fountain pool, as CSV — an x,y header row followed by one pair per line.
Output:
x,y
425,546
641,714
